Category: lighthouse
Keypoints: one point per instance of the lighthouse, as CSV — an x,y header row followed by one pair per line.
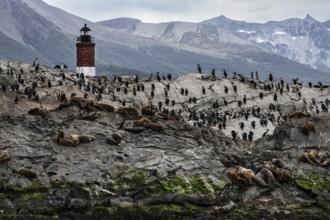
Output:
x,y
85,52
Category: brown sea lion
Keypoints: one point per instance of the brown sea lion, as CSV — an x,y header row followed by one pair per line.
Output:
x,y
104,107
153,126
246,174
63,140
4,156
124,111
299,114
147,111
307,128
86,138
74,138
323,157
165,116
326,163
78,101
38,111
63,98
305,158
142,120
235,178
26,172
282,175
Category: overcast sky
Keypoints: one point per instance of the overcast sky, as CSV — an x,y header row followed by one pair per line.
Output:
x,y
156,11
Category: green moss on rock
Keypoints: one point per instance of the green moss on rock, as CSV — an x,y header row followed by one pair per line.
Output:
x,y
314,182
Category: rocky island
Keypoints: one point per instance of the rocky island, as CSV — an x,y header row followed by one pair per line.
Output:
x,y
202,146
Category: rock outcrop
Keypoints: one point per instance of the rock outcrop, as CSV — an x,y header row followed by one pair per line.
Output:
x,y
178,171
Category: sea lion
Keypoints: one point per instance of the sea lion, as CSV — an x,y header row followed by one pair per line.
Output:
x,y
324,160
246,174
307,128
142,120
26,172
309,157
165,116
74,138
153,126
264,177
78,101
326,163
323,157
282,175
91,104
127,111
235,178
299,114
62,140
4,156
147,111
86,138
104,107
39,111
63,98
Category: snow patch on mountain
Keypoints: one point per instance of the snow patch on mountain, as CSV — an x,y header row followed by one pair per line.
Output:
x,y
247,32
279,33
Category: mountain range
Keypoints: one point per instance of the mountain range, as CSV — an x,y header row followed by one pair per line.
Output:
x,y
288,49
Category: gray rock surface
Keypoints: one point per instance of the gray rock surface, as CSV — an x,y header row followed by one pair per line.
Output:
x,y
182,165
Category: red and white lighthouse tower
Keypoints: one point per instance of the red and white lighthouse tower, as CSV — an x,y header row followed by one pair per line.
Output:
x,y
85,52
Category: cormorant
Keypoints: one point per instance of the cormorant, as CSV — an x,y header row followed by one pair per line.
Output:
x,y
244,136
150,77
199,68
233,134
61,67
235,89
275,97
244,99
225,101
35,62
270,77
158,77
310,85
169,76
250,136
265,133
253,124
225,73
226,89
186,92
241,125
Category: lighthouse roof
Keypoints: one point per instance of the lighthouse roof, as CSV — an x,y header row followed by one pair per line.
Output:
x,y
85,28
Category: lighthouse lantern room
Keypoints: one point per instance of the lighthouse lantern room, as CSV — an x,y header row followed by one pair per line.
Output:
x,y
85,52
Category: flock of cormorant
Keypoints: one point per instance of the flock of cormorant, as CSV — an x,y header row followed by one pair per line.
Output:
x,y
231,104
